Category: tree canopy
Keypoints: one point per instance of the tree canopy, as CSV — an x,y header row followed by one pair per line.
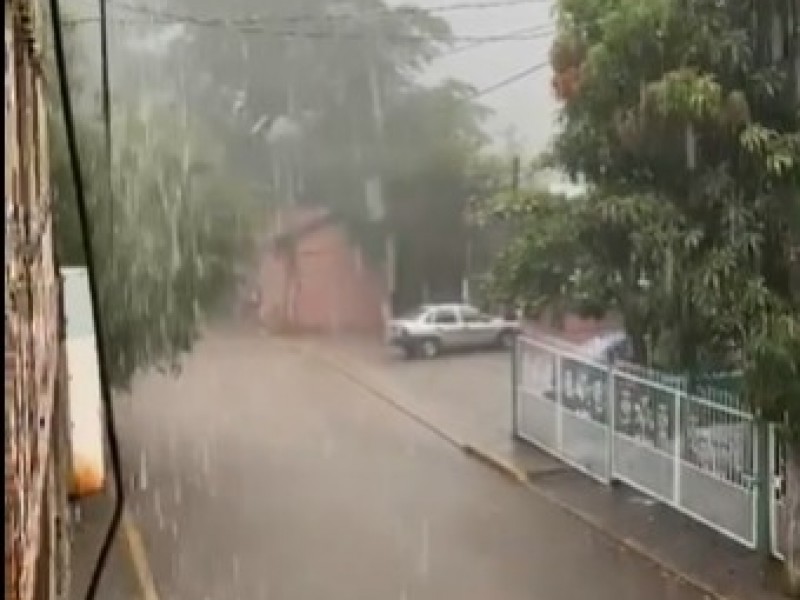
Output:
x,y
171,238
683,119
329,98
220,115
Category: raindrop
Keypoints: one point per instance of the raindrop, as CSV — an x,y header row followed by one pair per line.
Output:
x,y
173,445
142,471
158,509
259,125
424,557
178,492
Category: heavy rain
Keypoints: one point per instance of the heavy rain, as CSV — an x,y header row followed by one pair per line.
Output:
x,y
421,299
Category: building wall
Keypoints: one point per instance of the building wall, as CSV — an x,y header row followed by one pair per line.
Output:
x,y
333,290
33,360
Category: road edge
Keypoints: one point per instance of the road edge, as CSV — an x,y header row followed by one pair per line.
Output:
x,y
138,557
345,367
499,464
348,372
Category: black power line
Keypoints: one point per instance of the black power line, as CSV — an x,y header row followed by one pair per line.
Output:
x,y
255,23
509,80
318,34
148,9
86,237
534,32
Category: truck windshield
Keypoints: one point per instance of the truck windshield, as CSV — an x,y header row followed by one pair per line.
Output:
x,y
413,315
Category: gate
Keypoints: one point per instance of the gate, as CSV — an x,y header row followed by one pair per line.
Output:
x,y
694,452
690,452
562,406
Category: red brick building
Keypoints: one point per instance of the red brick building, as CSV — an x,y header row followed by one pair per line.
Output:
x,y
314,279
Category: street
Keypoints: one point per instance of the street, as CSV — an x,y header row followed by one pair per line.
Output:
x,y
260,473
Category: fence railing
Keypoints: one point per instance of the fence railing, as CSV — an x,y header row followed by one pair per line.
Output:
x,y
689,450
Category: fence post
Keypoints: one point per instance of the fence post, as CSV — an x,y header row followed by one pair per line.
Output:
x,y
676,459
559,405
764,459
515,387
611,420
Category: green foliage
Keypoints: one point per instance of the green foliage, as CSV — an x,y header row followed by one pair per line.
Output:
x,y
686,127
349,79
773,368
180,221
168,242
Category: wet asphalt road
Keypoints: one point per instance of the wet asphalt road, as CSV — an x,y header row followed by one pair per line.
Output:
x,y
260,473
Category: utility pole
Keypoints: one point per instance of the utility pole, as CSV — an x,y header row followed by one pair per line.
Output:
x,y
515,176
290,113
793,48
466,295
374,182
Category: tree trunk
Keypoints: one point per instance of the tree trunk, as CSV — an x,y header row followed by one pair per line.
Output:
x,y
793,520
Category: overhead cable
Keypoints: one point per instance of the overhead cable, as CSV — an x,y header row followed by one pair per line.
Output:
x,y
318,34
509,80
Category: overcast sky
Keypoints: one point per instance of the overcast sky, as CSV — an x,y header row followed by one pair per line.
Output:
x,y
528,105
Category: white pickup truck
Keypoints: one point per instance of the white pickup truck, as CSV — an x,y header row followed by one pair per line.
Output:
x,y
432,328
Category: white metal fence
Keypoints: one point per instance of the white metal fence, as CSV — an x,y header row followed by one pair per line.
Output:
x,y
693,452
778,505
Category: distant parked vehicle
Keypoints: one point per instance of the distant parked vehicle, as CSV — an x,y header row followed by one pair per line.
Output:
x,y
430,329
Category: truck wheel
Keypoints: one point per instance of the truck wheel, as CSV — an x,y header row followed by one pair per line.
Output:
x,y
430,347
506,340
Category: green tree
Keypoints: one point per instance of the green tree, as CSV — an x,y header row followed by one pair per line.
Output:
x,y
683,118
434,144
340,79
169,242
346,79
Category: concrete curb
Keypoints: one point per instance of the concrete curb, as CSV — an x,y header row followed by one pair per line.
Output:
x,y
503,466
627,543
346,368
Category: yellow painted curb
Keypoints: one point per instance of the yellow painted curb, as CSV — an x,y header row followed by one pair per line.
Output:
x,y
505,467
138,556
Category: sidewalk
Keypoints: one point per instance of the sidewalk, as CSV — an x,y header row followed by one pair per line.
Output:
x,y
474,418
